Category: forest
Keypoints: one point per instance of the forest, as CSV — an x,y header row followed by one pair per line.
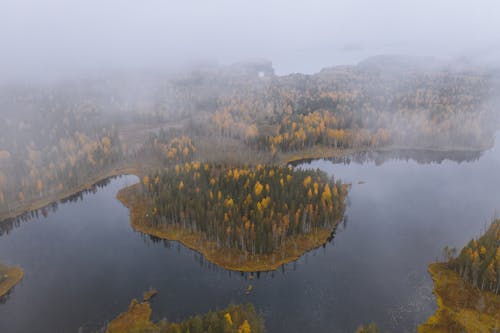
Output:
x,y
479,261
212,147
66,134
361,106
52,147
252,209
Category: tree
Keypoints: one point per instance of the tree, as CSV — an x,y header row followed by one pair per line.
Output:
x,y
245,327
39,186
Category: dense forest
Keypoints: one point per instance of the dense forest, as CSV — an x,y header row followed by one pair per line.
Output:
x,y
167,147
252,209
50,144
479,261
58,136
362,106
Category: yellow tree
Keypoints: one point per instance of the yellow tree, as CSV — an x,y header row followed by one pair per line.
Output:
x,y
245,327
326,196
227,316
258,188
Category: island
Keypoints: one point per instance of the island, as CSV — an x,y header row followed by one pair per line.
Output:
x,y
241,218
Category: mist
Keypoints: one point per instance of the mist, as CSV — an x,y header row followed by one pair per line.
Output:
x,y
213,110
60,39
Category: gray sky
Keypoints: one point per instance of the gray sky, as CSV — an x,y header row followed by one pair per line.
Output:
x,y
44,38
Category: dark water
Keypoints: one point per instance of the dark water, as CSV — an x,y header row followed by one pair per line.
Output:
x,y
83,263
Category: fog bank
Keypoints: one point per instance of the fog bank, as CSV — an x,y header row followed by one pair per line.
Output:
x,y
57,38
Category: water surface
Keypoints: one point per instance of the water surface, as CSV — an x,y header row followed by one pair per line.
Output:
x,y
83,262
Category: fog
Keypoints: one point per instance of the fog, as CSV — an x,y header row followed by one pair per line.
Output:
x,y
193,96
58,38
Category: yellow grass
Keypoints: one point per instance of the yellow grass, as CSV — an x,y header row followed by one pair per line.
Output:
x,y
231,259
135,319
461,307
149,294
14,276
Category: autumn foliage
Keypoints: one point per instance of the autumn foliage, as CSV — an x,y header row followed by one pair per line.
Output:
x,y
252,209
233,319
479,261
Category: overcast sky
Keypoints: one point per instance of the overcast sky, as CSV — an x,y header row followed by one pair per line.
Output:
x,y
65,37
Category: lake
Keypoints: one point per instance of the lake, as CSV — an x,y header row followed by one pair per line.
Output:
x,y
84,263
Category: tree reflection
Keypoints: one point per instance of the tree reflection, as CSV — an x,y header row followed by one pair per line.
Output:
x,y
420,156
211,267
8,225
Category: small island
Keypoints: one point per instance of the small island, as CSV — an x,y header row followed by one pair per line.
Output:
x,y
467,287
9,277
233,319
240,218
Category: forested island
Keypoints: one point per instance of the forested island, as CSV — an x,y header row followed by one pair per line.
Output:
x,y
467,287
241,218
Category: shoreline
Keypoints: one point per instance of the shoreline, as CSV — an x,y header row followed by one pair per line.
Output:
x,y
457,305
317,152
321,152
14,276
46,201
230,259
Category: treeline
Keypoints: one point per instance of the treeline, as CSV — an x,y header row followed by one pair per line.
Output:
x,y
298,131
10,224
479,261
252,209
52,139
360,106
234,319
72,162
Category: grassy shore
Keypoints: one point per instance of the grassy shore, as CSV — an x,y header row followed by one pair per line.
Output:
x,y
135,319
233,319
461,307
9,277
231,259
